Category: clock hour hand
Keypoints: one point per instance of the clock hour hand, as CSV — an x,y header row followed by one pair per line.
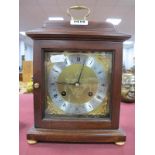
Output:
x,y
65,83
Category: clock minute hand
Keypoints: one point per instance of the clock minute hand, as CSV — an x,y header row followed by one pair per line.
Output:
x,y
80,73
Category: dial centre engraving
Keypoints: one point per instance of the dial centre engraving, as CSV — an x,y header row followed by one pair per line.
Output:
x,y
77,92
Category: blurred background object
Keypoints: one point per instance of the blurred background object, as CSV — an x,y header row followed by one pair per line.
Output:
x,y
128,87
25,77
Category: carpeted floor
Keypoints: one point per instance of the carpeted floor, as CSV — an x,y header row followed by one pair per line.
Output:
x,y
127,122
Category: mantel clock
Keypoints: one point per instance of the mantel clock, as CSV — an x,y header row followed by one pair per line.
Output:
x,y
77,83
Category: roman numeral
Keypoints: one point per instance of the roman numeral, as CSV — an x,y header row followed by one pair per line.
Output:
x,y
55,95
64,105
90,62
99,97
78,58
55,70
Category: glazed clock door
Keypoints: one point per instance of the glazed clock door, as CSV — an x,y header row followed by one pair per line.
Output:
x,y
77,84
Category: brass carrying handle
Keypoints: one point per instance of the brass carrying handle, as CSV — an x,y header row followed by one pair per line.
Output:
x,y
78,7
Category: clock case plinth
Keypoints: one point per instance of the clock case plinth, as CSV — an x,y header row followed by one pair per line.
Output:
x,y
63,36
88,136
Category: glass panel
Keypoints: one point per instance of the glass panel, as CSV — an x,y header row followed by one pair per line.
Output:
x,y
77,84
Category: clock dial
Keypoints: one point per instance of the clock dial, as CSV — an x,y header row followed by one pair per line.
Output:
x,y
76,84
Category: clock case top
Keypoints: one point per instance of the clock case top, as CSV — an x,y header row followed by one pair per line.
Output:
x,y
63,36
62,30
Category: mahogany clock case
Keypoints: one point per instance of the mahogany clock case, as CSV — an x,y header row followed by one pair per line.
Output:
x,y
62,36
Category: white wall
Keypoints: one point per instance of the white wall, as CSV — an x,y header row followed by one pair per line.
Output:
x,y
21,52
128,57
28,53
25,48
